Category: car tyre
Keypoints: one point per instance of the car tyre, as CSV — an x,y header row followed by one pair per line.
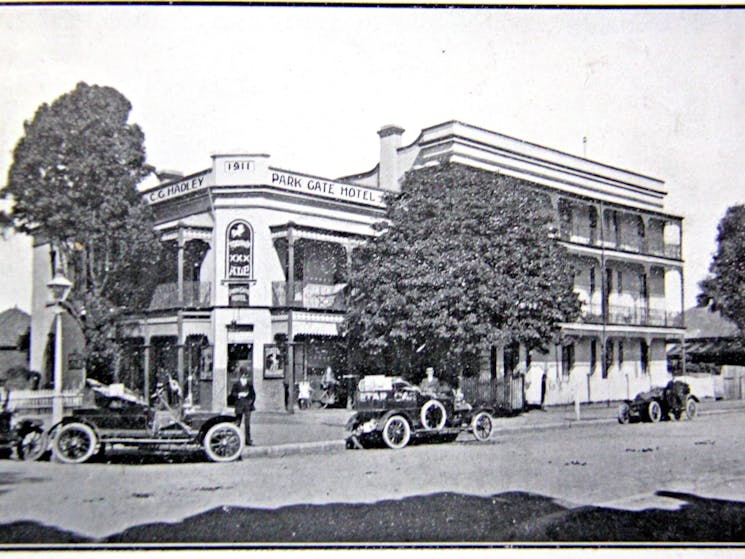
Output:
x,y
32,445
74,443
691,408
396,432
223,442
654,411
624,414
433,415
482,426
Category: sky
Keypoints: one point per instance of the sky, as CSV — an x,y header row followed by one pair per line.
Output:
x,y
660,92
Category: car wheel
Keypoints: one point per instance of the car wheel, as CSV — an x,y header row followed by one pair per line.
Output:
x,y
223,442
654,411
624,414
691,408
482,425
74,443
33,444
396,432
433,415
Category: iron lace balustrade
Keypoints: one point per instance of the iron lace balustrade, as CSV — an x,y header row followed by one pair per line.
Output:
x,y
310,295
631,315
197,295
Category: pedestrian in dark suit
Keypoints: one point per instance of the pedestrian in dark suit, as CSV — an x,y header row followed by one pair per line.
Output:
x,y
243,396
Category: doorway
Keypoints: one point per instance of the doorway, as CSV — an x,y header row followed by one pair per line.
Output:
x,y
239,355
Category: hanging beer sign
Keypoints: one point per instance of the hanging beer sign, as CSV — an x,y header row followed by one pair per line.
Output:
x,y
239,251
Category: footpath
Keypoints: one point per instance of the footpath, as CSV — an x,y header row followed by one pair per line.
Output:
x,y
322,430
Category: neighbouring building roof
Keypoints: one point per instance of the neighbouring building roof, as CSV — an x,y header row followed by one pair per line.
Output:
x,y
13,324
702,323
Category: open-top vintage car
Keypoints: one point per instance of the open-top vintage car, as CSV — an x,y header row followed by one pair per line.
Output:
x,y
113,415
391,411
672,401
24,435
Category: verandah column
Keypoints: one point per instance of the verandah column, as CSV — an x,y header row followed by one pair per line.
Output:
x,y
180,312
289,298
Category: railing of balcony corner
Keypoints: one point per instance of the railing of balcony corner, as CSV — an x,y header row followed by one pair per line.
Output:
x,y
197,295
311,295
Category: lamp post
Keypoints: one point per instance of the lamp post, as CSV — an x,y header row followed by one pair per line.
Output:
x,y
59,289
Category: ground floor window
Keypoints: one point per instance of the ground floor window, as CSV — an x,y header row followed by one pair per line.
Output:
x,y
644,356
198,367
593,355
567,359
608,360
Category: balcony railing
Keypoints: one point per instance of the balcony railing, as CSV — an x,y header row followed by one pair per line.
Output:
x,y
197,295
635,246
309,295
631,315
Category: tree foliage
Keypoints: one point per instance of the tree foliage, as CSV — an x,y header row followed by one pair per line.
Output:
x,y
73,181
724,287
464,261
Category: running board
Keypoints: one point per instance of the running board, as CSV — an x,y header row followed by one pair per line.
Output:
x,y
149,441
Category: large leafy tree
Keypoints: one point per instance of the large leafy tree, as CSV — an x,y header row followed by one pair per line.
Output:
x,y
465,260
724,287
73,182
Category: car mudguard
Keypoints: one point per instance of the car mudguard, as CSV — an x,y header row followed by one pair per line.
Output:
x,y
413,422
213,421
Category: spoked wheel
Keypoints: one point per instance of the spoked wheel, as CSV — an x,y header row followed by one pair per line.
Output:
x,y
624,414
396,432
433,415
654,411
74,444
223,442
691,408
483,426
33,444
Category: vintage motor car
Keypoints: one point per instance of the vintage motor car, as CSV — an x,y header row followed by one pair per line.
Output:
x,y
391,411
24,435
672,401
113,415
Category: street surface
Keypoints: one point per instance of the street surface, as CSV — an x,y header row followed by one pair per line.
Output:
x,y
590,482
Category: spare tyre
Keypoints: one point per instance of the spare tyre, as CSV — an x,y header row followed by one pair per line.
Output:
x,y
433,415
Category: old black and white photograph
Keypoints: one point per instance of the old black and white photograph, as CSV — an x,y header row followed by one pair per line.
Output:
x,y
413,277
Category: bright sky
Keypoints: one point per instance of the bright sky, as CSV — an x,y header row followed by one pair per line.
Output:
x,y
659,92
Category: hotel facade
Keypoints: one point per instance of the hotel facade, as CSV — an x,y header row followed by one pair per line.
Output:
x,y
260,258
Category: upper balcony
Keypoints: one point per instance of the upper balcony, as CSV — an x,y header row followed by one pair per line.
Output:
x,y
619,230
309,295
630,315
197,295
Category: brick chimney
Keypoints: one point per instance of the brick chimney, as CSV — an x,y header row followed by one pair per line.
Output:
x,y
390,141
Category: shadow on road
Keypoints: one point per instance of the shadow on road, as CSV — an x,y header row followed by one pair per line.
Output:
x,y
11,478
443,517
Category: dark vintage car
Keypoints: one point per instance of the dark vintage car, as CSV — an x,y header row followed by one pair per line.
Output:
x,y
114,416
24,435
391,411
672,401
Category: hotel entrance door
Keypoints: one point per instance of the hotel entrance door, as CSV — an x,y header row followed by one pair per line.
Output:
x,y
239,355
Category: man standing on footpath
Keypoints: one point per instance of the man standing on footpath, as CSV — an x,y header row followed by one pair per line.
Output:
x,y
243,396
